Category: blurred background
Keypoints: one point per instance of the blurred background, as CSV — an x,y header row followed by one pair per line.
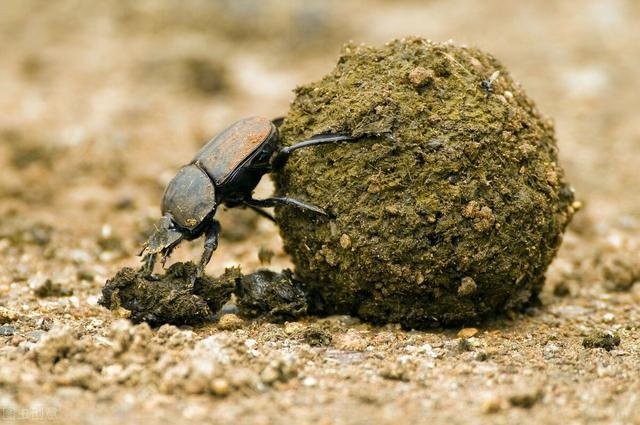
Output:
x,y
103,101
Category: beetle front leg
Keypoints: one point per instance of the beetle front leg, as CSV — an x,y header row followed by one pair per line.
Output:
x,y
149,262
166,253
210,245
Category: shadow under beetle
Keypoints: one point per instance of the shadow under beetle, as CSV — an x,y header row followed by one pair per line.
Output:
x,y
225,172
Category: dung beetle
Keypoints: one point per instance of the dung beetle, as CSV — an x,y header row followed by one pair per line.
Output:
x,y
225,172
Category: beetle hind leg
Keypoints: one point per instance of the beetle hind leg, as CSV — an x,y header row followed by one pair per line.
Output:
x,y
272,202
260,212
281,158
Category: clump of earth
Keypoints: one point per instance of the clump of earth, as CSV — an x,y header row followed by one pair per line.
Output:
x,y
450,205
180,297
275,297
177,297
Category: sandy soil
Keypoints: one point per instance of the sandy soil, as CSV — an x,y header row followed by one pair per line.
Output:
x,y
102,101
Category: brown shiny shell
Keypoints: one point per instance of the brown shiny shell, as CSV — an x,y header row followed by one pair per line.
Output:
x,y
229,149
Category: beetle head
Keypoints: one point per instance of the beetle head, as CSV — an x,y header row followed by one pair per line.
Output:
x,y
190,197
165,237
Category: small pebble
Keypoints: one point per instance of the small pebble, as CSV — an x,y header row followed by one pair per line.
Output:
x,y
269,375
7,330
309,381
345,241
352,340
7,316
291,328
492,405
45,323
395,371
550,351
16,340
220,387
608,318
467,287
467,332
230,322
421,76
34,336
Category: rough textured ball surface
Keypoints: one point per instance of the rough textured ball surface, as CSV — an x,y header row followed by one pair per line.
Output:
x,y
451,205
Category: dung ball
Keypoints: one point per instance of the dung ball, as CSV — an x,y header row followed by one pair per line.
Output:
x,y
449,205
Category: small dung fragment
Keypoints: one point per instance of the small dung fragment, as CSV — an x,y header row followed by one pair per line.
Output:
x,y
620,270
315,336
50,289
525,400
217,291
561,289
607,340
265,255
274,296
171,299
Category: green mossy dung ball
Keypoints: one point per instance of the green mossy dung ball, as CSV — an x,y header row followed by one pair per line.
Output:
x,y
448,209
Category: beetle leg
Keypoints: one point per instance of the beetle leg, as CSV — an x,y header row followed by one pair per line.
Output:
x,y
210,245
260,212
149,261
272,202
166,253
280,159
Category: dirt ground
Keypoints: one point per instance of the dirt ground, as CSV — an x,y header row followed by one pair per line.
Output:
x,y
102,101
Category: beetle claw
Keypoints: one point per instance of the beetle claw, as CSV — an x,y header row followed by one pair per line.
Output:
x,y
165,257
148,262
195,276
